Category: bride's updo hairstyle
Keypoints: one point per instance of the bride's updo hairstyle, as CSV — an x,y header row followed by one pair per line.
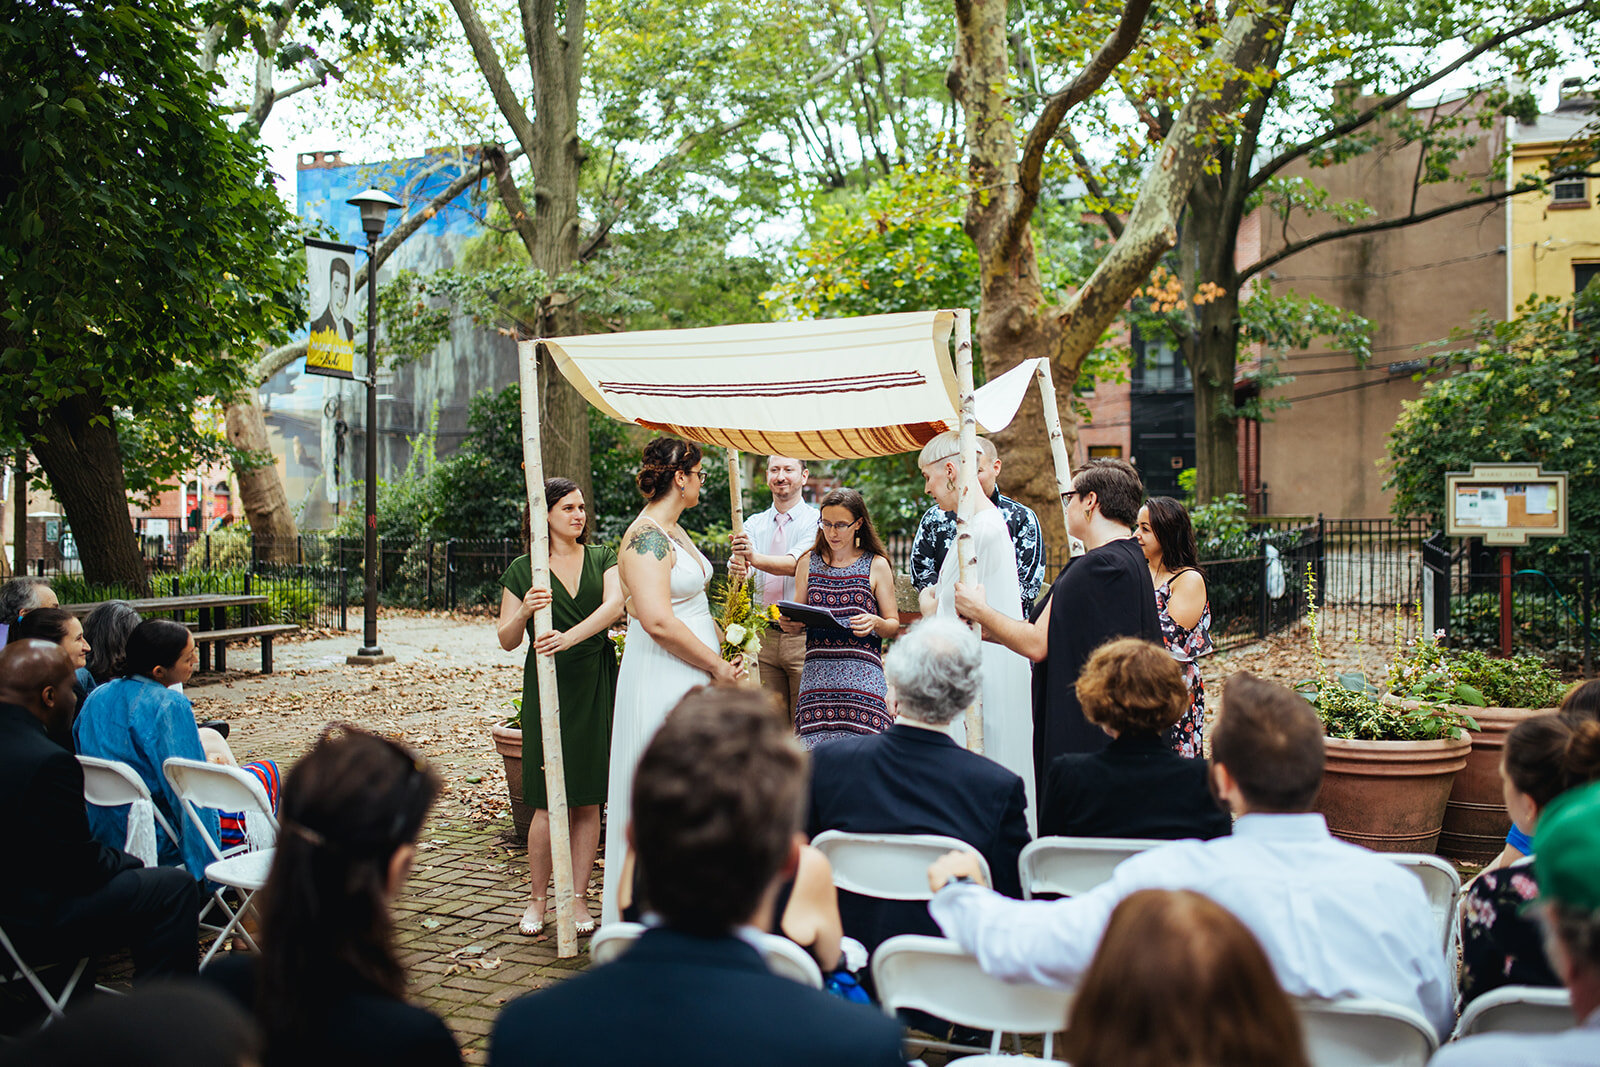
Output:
x,y
663,458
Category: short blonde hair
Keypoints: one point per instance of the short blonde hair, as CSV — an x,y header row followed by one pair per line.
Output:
x,y
948,446
1130,684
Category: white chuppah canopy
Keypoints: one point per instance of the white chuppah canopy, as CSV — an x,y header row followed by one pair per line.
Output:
x,y
849,388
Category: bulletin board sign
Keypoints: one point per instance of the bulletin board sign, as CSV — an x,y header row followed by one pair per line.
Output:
x,y
1505,503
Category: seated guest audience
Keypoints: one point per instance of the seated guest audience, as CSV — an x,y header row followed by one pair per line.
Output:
x,y
327,987
1582,702
106,628
60,627
18,596
177,1024
1335,919
1179,982
138,720
717,803
1566,861
1500,945
914,779
1137,786
64,895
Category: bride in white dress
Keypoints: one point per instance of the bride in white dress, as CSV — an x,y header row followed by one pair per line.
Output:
x,y
1007,677
672,643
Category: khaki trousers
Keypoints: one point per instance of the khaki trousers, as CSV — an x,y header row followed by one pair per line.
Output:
x,y
782,658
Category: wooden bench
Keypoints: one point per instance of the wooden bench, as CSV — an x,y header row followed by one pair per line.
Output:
x,y
220,639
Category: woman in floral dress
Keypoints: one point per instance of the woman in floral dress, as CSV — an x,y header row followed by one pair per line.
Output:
x,y
1167,538
846,573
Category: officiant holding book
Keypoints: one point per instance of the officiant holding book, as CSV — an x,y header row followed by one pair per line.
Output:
x,y
846,574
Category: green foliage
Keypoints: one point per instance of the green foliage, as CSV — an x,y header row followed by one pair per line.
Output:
x,y
1536,623
1519,682
224,549
1222,528
143,250
1524,391
290,598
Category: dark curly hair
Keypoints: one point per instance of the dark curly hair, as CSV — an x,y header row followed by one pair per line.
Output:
x,y
663,458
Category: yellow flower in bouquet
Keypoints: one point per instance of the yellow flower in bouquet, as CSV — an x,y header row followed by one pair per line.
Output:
x,y
741,623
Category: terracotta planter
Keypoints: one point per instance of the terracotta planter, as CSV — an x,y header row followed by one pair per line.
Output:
x,y
1475,822
508,742
1389,795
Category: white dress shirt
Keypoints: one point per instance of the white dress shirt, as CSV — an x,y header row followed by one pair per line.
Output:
x,y
1578,1047
1336,920
799,534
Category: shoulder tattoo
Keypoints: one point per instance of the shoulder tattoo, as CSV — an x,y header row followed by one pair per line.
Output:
x,y
649,541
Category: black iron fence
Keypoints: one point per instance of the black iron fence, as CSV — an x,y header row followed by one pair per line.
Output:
x,y
1378,581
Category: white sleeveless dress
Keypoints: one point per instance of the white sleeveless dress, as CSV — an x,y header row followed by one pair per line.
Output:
x,y
650,683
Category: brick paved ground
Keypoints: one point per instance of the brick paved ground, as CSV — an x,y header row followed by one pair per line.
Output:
x,y
456,921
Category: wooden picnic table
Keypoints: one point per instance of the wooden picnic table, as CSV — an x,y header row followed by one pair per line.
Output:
x,y
211,609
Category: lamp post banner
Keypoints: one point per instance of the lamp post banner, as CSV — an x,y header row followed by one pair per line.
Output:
x,y
330,349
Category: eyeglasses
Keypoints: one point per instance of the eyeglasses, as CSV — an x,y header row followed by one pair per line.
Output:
x,y
1069,494
826,525
700,473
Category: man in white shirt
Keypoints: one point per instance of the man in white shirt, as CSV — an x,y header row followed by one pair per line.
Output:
x,y
1336,920
773,540
1566,864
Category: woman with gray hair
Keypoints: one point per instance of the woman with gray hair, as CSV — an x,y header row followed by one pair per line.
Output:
x,y
20,596
1007,677
934,671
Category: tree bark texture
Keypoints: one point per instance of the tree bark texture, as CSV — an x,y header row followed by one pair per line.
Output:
x,y
261,494
553,38
76,445
1016,320
1210,347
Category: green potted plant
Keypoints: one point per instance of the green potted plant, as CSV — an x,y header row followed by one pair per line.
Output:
x,y
1498,694
508,742
1390,762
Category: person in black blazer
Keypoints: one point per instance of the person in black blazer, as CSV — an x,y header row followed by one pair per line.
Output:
x,y
1137,786
717,804
914,778
64,894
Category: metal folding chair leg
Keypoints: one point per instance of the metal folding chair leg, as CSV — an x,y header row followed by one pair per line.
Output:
x,y
56,1006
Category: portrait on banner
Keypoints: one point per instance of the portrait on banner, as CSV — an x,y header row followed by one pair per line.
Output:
x,y
330,272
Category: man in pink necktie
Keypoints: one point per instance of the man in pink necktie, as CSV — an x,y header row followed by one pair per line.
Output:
x,y
772,541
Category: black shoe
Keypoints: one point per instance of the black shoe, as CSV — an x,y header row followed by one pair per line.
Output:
x,y
216,724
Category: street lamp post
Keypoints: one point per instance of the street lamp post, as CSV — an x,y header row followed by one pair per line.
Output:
x,y
375,206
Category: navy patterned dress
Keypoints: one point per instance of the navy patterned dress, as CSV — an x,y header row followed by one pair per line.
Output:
x,y
841,685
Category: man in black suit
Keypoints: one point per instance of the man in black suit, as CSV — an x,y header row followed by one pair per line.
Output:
x,y
717,803
66,895
914,778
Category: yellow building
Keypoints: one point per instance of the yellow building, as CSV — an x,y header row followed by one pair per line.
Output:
x,y
1553,236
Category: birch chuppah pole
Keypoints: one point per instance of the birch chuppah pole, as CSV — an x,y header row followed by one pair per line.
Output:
x,y
736,505
967,502
555,775
1058,441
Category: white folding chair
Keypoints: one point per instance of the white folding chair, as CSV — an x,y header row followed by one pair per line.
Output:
x,y
1517,1009
18,970
211,785
1072,866
113,784
934,975
889,866
1443,886
783,957
1361,1032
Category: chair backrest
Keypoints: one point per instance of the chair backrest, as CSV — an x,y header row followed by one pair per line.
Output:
x,y
211,785
1364,1033
109,783
1072,866
889,866
783,957
1440,881
934,975
1518,1009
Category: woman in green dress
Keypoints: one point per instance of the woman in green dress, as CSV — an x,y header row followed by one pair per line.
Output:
x,y
585,598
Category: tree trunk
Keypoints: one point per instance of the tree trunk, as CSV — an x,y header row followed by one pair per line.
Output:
x,y
1206,252
76,445
261,494
1016,322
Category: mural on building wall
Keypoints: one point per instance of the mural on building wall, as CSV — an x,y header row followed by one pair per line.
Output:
x,y
317,424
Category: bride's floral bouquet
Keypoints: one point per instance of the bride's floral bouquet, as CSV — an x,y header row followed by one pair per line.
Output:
x,y
742,625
